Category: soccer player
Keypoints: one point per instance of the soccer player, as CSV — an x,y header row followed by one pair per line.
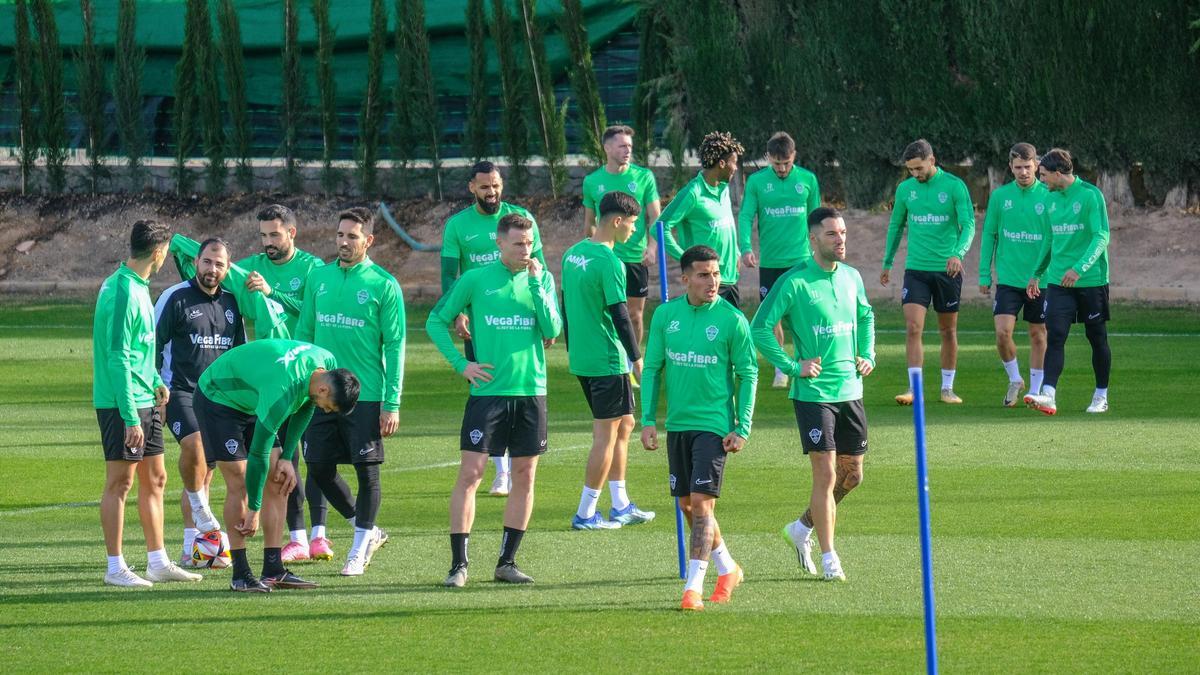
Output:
x,y
242,401
779,197
599,353
355,309
935,207
702,212
1074,262
280,273
640,251
833,330
1013,230
699,345
469,242
512,307
127,392
195,322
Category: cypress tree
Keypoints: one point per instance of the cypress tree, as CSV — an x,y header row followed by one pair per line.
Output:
x,y
371,116
53,113
402,136
551,118
327,94
651,59
424,123
592,118
209,100
90,75
475,143
514,129
235,90
186,107
292,92
127,89
26,95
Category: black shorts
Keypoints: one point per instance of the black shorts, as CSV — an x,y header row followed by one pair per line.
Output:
x,y
696,460
334,438
1077,305
767,276
731,293
608,396
225,432
1011,300
637,280
825,427
112,435
181,419
921,288
493,424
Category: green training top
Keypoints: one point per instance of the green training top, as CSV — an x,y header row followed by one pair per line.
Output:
x,y
940,221
266,378
1013,231
1078,224
635,181
123,346
592,279
357,313
510,316
703,215
470,236
266,315
781,206
286,279
703,350
828,316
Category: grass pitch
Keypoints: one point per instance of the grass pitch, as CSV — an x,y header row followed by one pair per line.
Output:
x,y
1060,544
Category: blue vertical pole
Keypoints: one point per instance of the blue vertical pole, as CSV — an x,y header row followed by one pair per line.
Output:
x,y
664,295
926,538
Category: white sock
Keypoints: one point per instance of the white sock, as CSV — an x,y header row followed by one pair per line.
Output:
x,y
724,561
695,577
1102,392
804,530
948,379
616,490
198,500
300,537
116,563
1035,379
502,463
318,532
1013,370
830,559
189,538
1047,390
913,370
157,559
587,502
361,539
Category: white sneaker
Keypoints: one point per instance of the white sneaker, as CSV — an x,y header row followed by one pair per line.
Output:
x,y
171,572
1013,394
355,566
378,539
1099,405
833,571
803,547
780,381
126,578
205,520
501,485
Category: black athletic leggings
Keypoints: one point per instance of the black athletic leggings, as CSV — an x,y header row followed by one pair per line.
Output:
x,y
366,507
1057,330
295,505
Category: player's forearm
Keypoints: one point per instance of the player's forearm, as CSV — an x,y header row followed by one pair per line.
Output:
x,y
1096,248
746,221
673,248
438,330
624,327
966,235
449,273
545,309
296,426
762,334
865,346
895,231
650,376
745,403
393,369
258,464
291,306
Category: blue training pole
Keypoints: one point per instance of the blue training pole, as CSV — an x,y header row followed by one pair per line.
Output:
x,y
664,295
926,539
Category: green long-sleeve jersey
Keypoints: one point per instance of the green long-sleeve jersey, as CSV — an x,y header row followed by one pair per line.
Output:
x,y
511,313
1013,231
593,279
469,240
781,207
1078,224
266,315
703,215
829,317
269,379
123,346
357,313
286,279
635,181
704,355
939,218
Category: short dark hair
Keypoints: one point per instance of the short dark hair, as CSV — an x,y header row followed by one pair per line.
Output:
x,y
278,212
345,388
1057,159
213,241
513,221
362,215
918,149
819,215
781,145
147,236
483,166
716,146
695,254
620,204
616,130
1022,151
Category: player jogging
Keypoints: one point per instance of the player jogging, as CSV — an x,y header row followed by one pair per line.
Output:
x,y
600,351
514,315
833,330
699,347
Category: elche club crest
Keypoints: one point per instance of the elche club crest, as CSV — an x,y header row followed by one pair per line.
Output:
x,y
476,436
672,476
814,435
229,315
362,297
295,283
1039,208
711,333
1077,207
632,187
943,197
177,427
231,446
800,188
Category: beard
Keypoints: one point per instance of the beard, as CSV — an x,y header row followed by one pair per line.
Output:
x,y
488,207
276,253
209,281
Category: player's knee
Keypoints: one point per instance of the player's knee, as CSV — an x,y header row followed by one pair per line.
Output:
x,y
118,485
626,426
852,480
913,328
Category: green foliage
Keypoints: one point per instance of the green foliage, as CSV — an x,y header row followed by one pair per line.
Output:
x,y
235,91
53,111
23,61
186,107
370,118
422,114
514,94
475,143
551,118
292,91
89,71
209,100
652,58
592,118
127,89
327,94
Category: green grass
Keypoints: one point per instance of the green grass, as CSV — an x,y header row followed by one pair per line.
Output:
x,y
1061,544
